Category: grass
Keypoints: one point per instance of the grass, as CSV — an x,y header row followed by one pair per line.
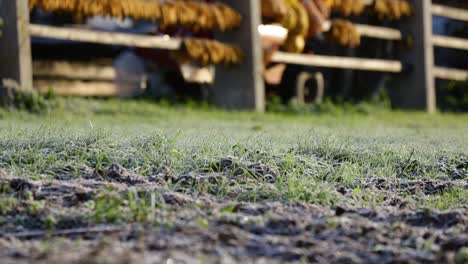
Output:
x,y
271,157
151,181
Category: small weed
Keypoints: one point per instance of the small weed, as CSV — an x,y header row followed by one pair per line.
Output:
x,y
13,97
131,206
447,200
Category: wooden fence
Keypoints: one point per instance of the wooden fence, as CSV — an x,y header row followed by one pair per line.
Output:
x,y
242,87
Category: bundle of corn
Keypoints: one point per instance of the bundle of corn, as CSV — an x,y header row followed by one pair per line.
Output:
x,y
274,9
144,10
297,22
347,7
192,15
392,9
344,33
198,16
297,19
294,44
302,18
207,52
136,9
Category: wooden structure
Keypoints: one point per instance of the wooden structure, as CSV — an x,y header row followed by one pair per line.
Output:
x,y
242,87
15,47
413,86
416,89
109,38
449,42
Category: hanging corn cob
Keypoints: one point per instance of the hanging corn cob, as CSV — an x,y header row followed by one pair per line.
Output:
x,y
302,18
347,7
207,52
392,9
344,33
199,16
274,9
137,9
297,22
384,9
192,15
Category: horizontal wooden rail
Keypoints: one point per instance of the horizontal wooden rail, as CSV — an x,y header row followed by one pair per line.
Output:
x,y
450,42
450,74
379,32
103,37
77,88
450,12
339,62
373,31
73,70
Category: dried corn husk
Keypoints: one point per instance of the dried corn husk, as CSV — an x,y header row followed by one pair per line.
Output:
x,y
206,52
347,7
294,44
392,9
344,33
274,9
192,15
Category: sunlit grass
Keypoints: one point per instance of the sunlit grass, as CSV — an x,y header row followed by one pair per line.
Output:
x,y
308,158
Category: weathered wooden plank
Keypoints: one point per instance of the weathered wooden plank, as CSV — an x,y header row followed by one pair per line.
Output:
x,y
74,70
15,46
241,87
450,12
103,37
1,27
450,42
451,74
379,32
77,88
339,62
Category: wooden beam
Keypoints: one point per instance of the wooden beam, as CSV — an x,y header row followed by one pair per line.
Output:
x,y
73,70
339,62
450,42
451,74
15,46
450,12
241,87
103,37
379,32
1,26
415,89
77,88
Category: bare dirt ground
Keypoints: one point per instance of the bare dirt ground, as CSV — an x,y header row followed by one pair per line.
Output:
x,y
195,227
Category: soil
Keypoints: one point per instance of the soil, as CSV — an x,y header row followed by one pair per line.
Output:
x,y
194,227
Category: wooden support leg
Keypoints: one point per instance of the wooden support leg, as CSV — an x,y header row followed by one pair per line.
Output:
x,y
242,87
415,89
15,45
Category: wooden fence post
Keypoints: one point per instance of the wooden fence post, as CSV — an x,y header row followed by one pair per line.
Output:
x,y
242,87
416,89
15,44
